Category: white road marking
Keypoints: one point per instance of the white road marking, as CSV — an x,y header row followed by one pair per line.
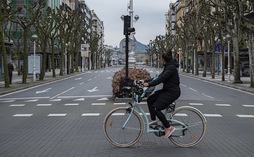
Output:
x,y
87,96
248,105
74,104
226,105
57,115
56,100
196,104
44,105
193,89
22,115
62,93
90,114
143,103
103,99
120,103
81,83
183,85
34,100
118,114
98,104
245,116
9,101
212,115
17,105
207,96
181,114
80,99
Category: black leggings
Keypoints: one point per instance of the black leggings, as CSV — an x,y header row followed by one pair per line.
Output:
x,y
158,101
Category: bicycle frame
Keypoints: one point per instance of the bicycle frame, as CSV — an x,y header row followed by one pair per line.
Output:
x,y
145,119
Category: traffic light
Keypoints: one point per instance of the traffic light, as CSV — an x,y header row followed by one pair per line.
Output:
x,y
127,24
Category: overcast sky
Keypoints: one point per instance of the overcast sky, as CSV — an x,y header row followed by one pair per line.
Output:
x,y
150,24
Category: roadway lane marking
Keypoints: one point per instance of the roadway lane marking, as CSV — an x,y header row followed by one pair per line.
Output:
x,y
72,104
193,89
9,101
248,105
102,99
80,99
207,96
22,115
143,103
212,115
245,116
56,100
119,103
43,105
34,100
196,104
98,104
90,114
61,93
17,105
225,105
57,115
118,114
181,114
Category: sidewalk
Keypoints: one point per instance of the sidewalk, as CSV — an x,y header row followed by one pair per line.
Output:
x,y
17,81
245,86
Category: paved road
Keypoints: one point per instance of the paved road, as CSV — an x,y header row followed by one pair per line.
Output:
x,y
61,122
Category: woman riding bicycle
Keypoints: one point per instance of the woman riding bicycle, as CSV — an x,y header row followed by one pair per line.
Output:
x,y
170,92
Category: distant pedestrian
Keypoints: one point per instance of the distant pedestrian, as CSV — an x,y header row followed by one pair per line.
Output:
x,y
10,69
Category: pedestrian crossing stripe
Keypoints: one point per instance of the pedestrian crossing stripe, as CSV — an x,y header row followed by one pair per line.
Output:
x,y
56,100
226,105
98,104
245,116
43,104
17,105
212,115
22,115
34,100
57,115
248,105
80,99
90,114
196,104
73,104
120,103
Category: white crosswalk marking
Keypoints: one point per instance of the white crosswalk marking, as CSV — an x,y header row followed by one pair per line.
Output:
x,y
43,105
226,105
98,104
90,114
212,115
34,100
17,105
22,115
80,99
248,105
57,115
55,100
73,104
245,116
123,103
196,104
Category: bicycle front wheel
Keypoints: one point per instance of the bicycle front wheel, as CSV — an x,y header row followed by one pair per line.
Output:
x,y
190,127
123,128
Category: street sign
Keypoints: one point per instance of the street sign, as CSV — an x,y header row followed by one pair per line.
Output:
x,y
84,50
132,45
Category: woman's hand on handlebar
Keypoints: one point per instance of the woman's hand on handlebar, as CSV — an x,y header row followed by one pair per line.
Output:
x,y
145,84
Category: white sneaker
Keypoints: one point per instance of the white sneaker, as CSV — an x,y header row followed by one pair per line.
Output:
x,y
168,132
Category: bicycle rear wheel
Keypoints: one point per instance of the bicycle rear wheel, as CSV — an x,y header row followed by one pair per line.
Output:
x,y
120,132
192,129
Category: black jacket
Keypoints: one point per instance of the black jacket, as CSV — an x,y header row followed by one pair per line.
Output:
x,y
169,77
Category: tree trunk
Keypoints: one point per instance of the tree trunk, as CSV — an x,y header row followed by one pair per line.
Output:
x,y
237,78
251,58
205,57
25,55
53,58
44,58
6,76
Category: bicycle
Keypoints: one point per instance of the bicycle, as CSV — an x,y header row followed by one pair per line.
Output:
x,y
124,126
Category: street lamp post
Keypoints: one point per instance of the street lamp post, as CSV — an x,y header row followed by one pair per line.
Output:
x,y
228,38
34,72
